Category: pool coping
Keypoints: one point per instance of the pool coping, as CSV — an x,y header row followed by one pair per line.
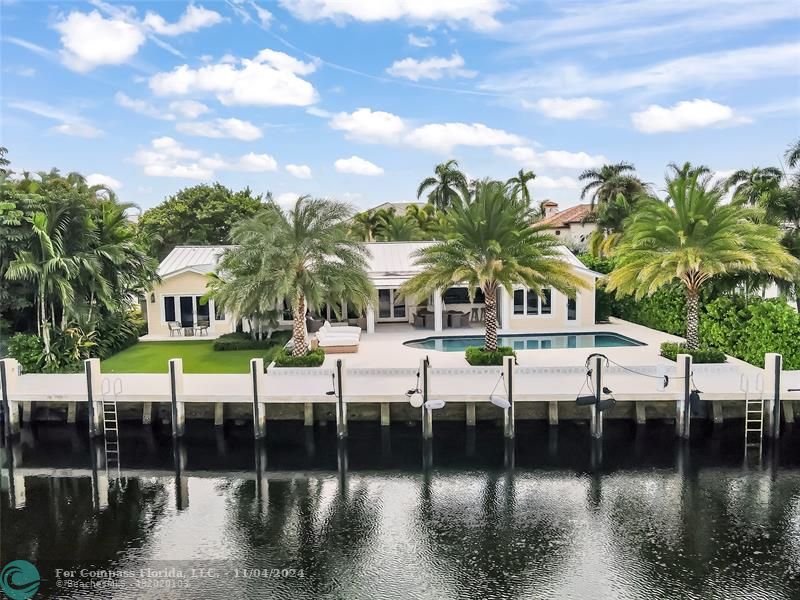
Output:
x,y
635,342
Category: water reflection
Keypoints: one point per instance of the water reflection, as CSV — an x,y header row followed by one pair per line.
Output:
x,y
386,514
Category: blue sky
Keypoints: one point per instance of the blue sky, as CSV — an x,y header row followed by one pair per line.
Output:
x,y
359,100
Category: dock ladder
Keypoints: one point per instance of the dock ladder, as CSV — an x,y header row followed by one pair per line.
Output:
x,y
754,413
111,424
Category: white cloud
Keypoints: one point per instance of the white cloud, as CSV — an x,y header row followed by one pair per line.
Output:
x,y
83,130
557,159
378,127
166,157
142,107
270,79
191,109
480,14
70,124
90,40
287,199
568,108
543,182
195,18
356,165
255,163
433,68
221,128
443,137
264,16
420,42
299,171
688,114
319,112
105,180
367,125
726,67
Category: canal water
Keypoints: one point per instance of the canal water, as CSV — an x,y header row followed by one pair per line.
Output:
x,y
388,516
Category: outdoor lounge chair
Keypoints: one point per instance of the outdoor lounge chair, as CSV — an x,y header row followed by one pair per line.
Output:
x,y
202,327
174,327
313,325
337,344
327,327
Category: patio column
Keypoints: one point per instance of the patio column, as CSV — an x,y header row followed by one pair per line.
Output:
x,y
503,301
370,319
437,310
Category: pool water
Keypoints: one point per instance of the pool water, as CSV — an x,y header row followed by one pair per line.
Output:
x,y
527,341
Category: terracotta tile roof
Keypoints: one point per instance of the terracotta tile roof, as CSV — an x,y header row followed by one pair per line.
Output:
x,y
574,214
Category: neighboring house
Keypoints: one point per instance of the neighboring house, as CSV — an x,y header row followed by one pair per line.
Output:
x,y
399,208
184,274
573,225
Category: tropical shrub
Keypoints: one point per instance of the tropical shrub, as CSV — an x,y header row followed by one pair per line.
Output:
x,y
243,341
477,356
27,349
312,358
704,354
115,332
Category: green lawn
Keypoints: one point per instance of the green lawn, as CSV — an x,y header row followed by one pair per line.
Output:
x,y
198,357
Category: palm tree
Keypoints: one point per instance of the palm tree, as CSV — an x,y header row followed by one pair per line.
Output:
x,y
754,186
426,218
605,183
45,265
448,186
365,223
686,170
609,218
491,245
302,255
394,228
692,240
519,184
793,154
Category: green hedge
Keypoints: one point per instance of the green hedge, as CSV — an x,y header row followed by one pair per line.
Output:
x,y
313,358
27,349
702,355
243,341
477,356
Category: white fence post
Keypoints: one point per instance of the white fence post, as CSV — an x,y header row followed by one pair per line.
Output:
x,y
176,393
508,377
9,369
94,396
773,368
683,412
259,408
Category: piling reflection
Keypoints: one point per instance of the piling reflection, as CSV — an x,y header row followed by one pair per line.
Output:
x,y
384,513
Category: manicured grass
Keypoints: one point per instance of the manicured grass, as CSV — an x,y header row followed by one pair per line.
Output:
x,y
198,357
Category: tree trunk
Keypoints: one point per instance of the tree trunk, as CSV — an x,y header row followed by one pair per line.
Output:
x,y
299,327
490,319
692,319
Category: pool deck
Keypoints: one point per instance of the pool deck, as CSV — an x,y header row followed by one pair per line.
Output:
x,y
385,348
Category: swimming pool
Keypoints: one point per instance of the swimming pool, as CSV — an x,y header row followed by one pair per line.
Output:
x,y
527,341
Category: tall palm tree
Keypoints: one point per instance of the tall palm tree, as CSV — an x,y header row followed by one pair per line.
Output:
x,y
364,225
47,267
519,184
687,170
447,188
754,186
793,154
610,218
302,255
693,239
491,245
605,183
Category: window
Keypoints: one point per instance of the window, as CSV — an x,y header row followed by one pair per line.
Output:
x,y
384,304
528,302
519,302
456,295
219,312
546,302
572,309
169,308
558,232
202,310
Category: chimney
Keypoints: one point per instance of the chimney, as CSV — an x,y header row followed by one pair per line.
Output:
x,y
550,207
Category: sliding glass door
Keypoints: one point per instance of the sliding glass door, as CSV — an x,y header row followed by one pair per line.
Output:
x,y
390,306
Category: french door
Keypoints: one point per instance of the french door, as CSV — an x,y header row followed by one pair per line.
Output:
x,y
390,306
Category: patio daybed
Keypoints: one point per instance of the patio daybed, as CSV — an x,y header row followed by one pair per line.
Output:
x,y
339,329
338,343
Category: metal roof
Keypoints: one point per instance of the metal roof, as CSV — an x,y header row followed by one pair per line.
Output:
x,y
195,258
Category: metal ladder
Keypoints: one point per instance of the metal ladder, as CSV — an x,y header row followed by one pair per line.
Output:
x,y
754,412
111,424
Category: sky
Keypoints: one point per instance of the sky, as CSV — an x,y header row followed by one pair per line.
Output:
x,y
359,100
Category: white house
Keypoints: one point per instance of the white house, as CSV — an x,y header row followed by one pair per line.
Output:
x,y
572,225
184,275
